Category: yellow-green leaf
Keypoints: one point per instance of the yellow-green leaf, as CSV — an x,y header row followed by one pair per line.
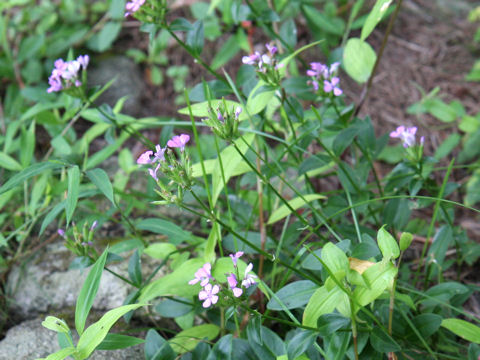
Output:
x,y
295,203
463,328
188,339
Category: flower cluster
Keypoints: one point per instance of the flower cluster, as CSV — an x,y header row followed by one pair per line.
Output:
x,y
407,135
210,291
165,161
66,74
82,240
133,6
224,123
321,73
266,64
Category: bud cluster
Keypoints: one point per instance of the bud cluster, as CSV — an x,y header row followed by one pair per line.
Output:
x,y
66,76
266,65
82,241
224,123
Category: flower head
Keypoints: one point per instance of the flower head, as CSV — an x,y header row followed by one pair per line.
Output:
x,y
159,154
153,172
145,158
329,86
209,295
203,275
238,111
179,141
249,279
407,135
66,73
83,60
61,232
322,73
235,257
232,283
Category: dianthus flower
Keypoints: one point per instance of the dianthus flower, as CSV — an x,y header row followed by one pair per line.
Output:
x,y
203,275
407,135
179,142
209,295
249,279
235,257
232,283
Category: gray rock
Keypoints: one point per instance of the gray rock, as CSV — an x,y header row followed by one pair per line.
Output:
x,y
46,284
129,82
30,340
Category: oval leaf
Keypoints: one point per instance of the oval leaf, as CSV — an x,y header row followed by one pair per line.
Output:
x,y
100,178
463,328
359,59
187,340
293,295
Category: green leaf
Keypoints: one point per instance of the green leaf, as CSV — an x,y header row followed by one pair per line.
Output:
x,y
358,59
335,260
73,189
378,277
224,265
293,295
447,146
104,39
322,302
55,324
175,233
95,333
195,37
118,341
228,50
441,110
427,324
9,163
382,342
375,16
295,203
27,143
300,342
328,24
157,348
387,244
100,178
175,283
463,328
329,323
160,250
187,340
171,308
134,269
61,354
52,215
89,291
258,100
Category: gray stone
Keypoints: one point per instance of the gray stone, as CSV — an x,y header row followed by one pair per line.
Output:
x,y
30,340
46,284
129,82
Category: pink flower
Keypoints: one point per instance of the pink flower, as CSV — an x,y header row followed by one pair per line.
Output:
x,y
235,257
83,60
407,135
329,86
153,173
159,154
272,49
209,295
203,275
252,59
248,279
232,283
179,141
145,158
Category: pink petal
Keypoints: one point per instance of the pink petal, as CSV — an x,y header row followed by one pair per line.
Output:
x,y
237,292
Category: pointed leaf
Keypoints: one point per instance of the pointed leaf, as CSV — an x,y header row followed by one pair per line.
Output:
x,y
100,178
88,292
188,339
463,328
73,190
387,244
295,204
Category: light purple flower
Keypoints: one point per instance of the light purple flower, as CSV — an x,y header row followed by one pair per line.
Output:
x,y
145,158
232,283
252,59
249,279
61,232
209,295
220,116
159,154
133,6
83,60
407,135
153,172
235,257
94,225
179,141
203,275
329,86
238,111
272,49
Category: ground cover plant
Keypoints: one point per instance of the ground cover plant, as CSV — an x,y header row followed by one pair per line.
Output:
x,y
289,242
